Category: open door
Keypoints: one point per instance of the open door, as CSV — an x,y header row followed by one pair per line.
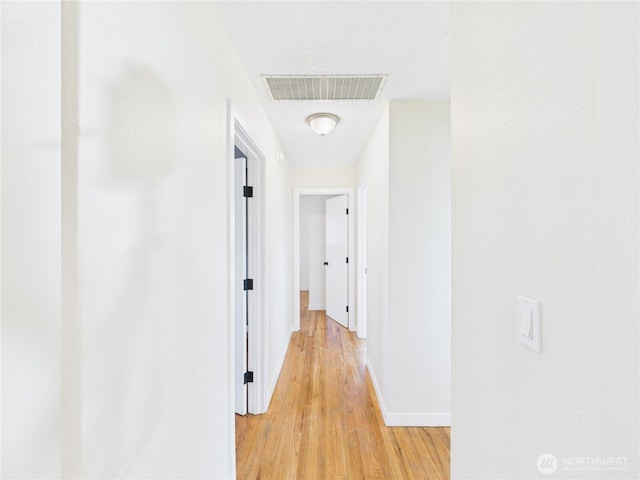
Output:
x,y
337,259
241,265
247,269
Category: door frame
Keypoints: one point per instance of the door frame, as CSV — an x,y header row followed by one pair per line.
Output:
x,y
362,259
297,193
238,136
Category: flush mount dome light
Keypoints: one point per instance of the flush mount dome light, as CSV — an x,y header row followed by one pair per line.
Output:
x,y
323,123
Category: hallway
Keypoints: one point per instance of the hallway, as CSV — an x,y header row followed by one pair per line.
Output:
x,y
324,423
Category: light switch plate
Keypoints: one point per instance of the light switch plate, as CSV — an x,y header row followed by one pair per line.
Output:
x,y
528,327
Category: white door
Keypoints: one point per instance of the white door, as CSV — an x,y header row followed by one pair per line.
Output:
x,y
240,298
337,258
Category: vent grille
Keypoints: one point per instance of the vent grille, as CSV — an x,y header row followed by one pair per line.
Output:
x,y
349,87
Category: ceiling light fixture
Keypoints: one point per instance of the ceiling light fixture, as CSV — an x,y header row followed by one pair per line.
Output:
x,y
323,123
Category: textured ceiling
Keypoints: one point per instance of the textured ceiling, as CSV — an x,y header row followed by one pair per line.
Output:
x,y
406,40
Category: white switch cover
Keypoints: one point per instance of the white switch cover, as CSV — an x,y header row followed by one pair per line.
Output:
x,y
528,325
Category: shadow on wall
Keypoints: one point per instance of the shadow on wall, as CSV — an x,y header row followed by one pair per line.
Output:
x,y
125,252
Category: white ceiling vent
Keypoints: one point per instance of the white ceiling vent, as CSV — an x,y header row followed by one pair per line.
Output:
x,y
343,87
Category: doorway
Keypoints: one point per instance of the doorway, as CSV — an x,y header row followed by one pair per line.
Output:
x,y
246,270
298,193
313,250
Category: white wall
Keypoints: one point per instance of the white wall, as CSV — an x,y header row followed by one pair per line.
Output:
x,y
141,356
279,262
374,168
31,240
545,204
407,167
419,332
154,80
324,177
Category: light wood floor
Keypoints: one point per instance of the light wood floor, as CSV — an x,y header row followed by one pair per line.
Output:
x,y
324,423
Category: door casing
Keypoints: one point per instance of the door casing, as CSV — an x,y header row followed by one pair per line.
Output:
x,y
362,260
297,193
237,136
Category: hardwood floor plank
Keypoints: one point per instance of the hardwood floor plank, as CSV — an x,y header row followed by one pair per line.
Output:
x,y
324,421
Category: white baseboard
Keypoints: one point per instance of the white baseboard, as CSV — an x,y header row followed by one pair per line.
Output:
x,y
279,364
417,419
316,306
376,387
407,419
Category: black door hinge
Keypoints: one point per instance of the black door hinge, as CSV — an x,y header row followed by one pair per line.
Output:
x,y
248,284
347,211
347,308
347,259
247,191
248,377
